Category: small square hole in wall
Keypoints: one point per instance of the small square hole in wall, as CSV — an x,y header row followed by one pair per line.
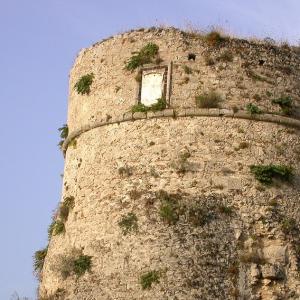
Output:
x,y
153,85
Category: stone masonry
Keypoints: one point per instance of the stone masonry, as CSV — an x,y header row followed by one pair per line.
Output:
x,y
230,239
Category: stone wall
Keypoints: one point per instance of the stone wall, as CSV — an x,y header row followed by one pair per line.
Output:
x,y
243,80
203,223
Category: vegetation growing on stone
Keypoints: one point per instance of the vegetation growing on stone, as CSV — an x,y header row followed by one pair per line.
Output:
x,y
74,263
39,259
65,207
64,131
266,173
169,207
128,223
214,38
159,105
208,100
285,104
83,85
253,109
82,264
55,228
144,56
149,278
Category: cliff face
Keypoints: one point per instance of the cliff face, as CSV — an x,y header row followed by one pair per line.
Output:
x,y
166,205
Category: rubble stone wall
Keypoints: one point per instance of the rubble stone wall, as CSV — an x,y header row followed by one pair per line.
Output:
x,y
203,223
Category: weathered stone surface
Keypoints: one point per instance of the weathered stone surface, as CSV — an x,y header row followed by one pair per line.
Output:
x,y
226,240
274,272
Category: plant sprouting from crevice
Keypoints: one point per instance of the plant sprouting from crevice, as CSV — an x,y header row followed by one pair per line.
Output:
x,y
128,223
208,100
38,260
83,85
73,263
63,133
149,278
253,109
144,56
266,173
65,207
159,105
285,104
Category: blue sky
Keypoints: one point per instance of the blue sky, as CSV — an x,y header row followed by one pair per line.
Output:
x,y
39,41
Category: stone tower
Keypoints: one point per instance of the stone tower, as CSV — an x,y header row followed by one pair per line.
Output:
x,y
191,199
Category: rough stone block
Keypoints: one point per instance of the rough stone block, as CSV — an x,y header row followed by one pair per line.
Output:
x,y
180,112
243,115
139,115
274,272
201,111
127,116
213,111
168,112
226,112
190,111
158,114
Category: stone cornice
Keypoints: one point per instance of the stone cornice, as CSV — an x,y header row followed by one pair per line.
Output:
x,y
178,113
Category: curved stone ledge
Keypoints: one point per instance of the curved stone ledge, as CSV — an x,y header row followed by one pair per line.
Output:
x,y
188,112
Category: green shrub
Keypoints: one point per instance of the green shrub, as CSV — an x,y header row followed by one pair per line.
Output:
x,y
169,207
140,107
64,131
128,223
83,85
50,229
39,259
253,109
82,264
149,278
144,56
285,104
208,100
265,173
58,228
75,263
65,207
159,105
214,38
55,228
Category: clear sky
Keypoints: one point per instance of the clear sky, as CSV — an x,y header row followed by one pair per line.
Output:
x,y
39,41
